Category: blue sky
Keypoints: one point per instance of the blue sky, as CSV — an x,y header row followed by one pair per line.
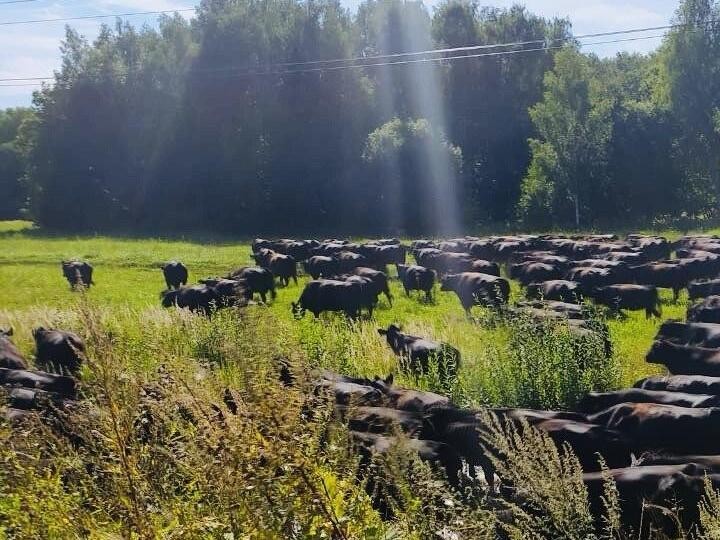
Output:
x,y
33,50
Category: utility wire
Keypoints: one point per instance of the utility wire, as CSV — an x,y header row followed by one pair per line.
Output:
x,y
89,17
415,61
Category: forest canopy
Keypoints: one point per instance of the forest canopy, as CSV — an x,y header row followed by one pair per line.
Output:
x,y
225,122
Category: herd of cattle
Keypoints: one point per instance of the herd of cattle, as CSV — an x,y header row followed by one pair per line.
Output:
x,y
660,439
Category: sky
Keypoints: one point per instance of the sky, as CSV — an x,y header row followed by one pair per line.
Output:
x,y
32,50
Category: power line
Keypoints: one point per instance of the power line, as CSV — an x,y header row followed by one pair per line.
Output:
x,y
380,64
89,17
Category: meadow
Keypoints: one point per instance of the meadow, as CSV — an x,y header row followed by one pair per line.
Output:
x,y
142,468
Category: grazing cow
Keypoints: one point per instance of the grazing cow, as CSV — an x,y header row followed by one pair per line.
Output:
x,y
653,247
347,261
684,359
597,401
257,280
697,334
321,266
77,273
707,311
591,278
701,289
474,288
65,386
380,255
381,419
627,296
176,274
416,278
379,280
557,289
329,295
643,493
230,292
667,275
485,267
282,266
370,445
649,426
10,357
688,384
534,272
59,351
197,298
417,353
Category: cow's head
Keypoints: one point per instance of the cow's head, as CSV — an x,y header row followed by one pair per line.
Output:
x,y
6,333
393,335
169,298
39,332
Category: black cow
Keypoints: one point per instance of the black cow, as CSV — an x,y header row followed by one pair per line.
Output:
x,y
379,280
485,267
474,288
60,384
692,333
321,266
348,260
591,278
417,353
668,275
597,401
707,311
649,426
534,272
628,296
282,266
176,274
258,280
59,351
197,298
229,292
10,357
684,359
416,278
701,289
330,295
380,255
558,289
689,384
78,273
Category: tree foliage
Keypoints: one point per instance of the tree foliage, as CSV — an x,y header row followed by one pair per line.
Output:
x,y
227,122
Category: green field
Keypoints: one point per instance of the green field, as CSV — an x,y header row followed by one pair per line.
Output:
x,y
129,279
142,466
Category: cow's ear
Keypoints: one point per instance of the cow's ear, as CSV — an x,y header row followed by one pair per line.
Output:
x,y
382,331
10,331
389,379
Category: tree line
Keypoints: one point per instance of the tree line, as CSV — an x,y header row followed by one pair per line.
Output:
x,y
225,123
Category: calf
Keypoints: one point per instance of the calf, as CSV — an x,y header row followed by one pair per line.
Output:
x,y
474,288
257,280
329,295
707,311
10,357
77,273
176,274
59,351
282,266
417,353
626,296
416,278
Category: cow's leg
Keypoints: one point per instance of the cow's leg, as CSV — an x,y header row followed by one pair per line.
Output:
x,y
263,296
428,295
676,294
